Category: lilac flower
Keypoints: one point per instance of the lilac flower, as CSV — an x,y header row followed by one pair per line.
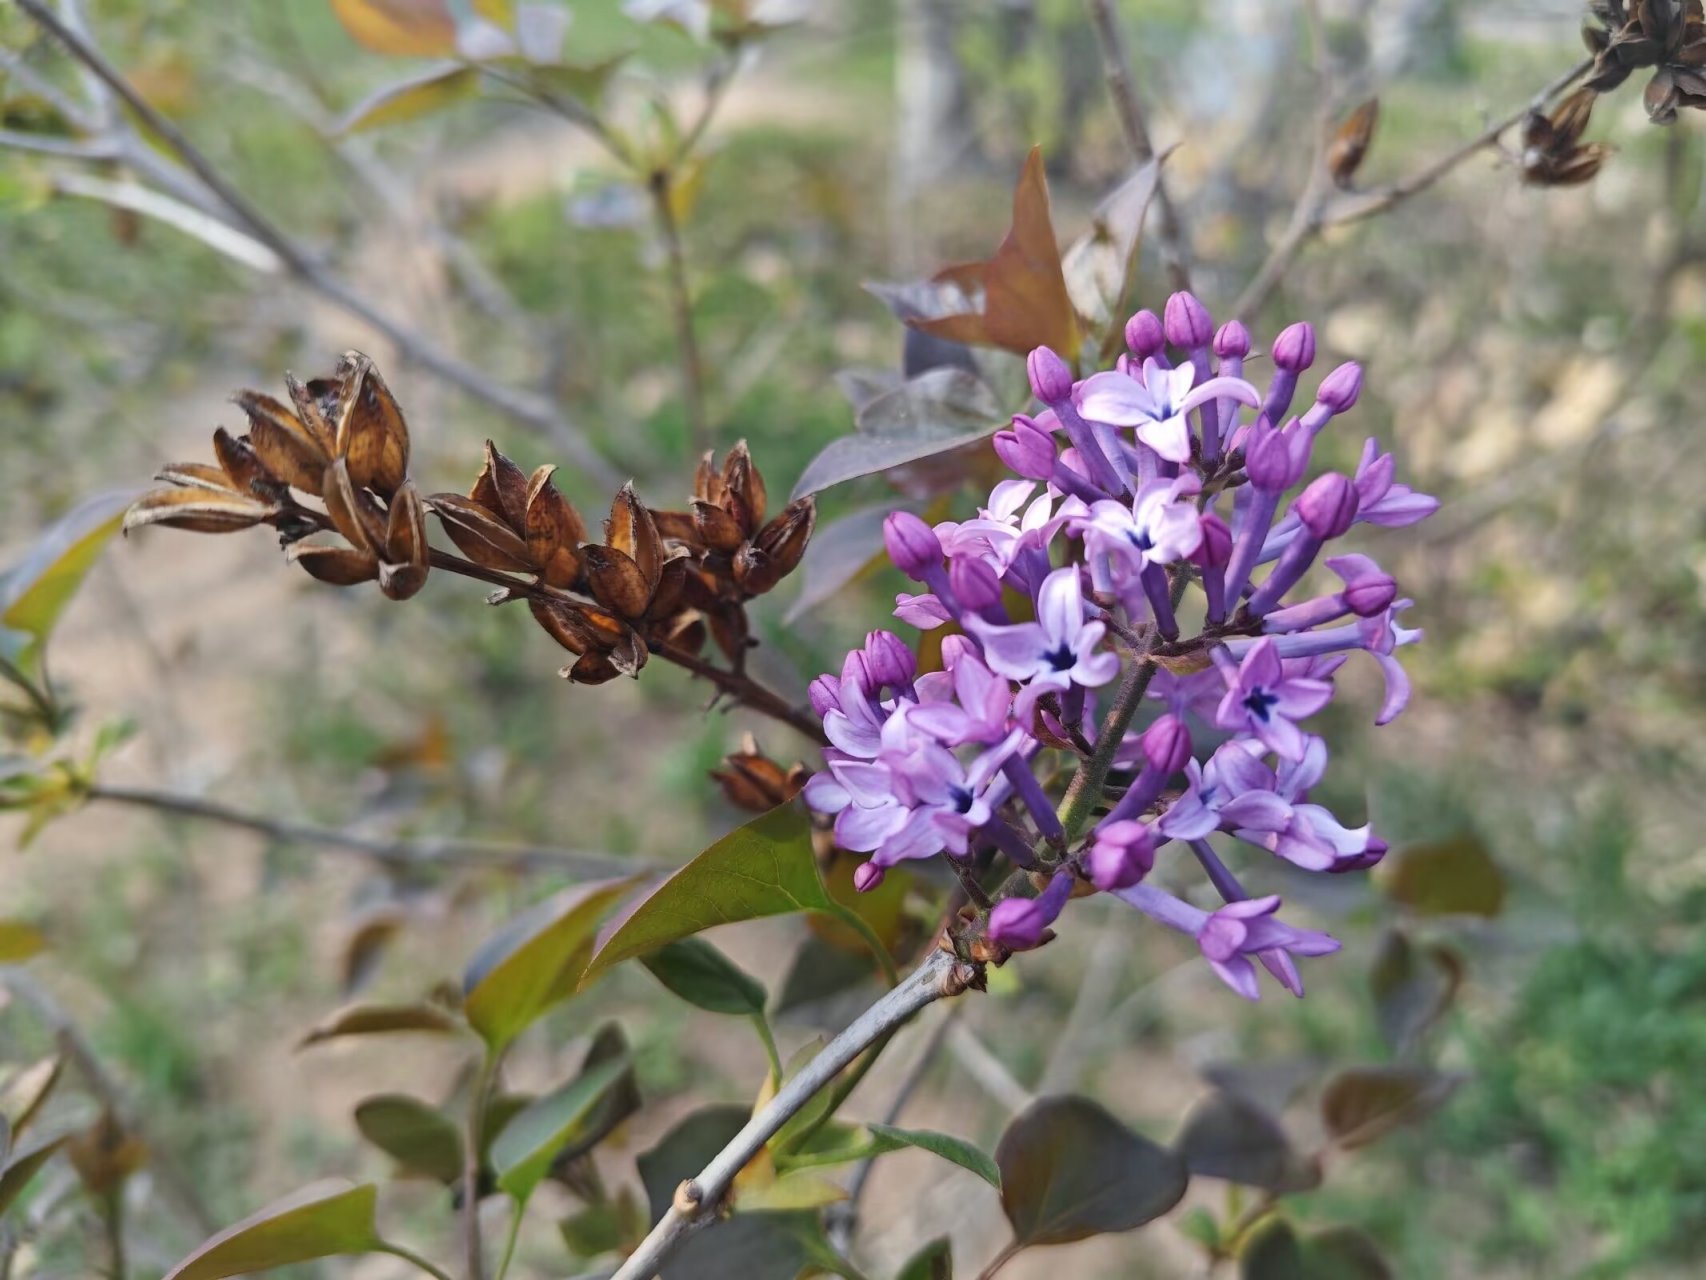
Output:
x,y
1279,820
1019,924
1160,525
1379,500
1157,403
1234,770
1261,700
1121,854
1058,649
1230,936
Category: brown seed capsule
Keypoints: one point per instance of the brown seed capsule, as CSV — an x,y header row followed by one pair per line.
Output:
x,y
339,566
309,413
480,535
355,514
590,668
554,531
632,531
1553,154
616,581
785,538
195,475
753,570
244,468
564,622
677,526
285,447
374,437
197,510
729,630
716,528
745,484
1350,143
501,487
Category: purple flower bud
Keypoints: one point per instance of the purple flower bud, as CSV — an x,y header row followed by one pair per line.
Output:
x,y
1215,549
1027,449
825,694
912,545
1167,745
974,584
1144,336
1294,349
867,876
955,647
889,661
1328,506
1369,589
1232,342
1051,379
1123,853
1021,923
1339,389
1187,323
1275,460
1373,853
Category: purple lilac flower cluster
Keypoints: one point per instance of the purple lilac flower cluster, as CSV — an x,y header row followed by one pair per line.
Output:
x,y
1172,468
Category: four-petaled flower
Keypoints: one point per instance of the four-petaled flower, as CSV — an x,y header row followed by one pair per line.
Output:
x,y
1058,650
1157,402
1262,700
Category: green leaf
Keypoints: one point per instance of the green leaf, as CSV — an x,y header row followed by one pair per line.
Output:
x,y
701,975
534,960
1445,877
594,1230
523,1152
1362,1104
34,593
22,1166
619,1101
19,940
1070,1170
584,82
747,1245
955,1150
1226,1136
765,868
383,1019
420,1138
326,1220
1275,1252
935,1261
1413,987
410,99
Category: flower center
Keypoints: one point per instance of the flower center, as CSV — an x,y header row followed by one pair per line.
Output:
x,y
1061,657
1258,702
962,798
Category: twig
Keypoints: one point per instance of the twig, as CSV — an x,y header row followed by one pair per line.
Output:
x,y
843,1217
989,1071
1090,1006
64,148
1318,207
485,1079
661,187
697,1199
534,410
75,1044
215,233
437,851
1085,789
1116,66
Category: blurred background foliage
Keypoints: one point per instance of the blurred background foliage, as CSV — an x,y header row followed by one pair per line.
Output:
x,y
1531,356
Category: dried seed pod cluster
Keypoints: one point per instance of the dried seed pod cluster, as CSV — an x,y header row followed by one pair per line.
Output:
x,y
753,781
659,581
1553,154
1666,35
345,442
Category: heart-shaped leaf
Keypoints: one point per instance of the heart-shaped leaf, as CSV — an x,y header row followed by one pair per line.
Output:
x,y
420,1138
326,1220
523,1152
701,975
955,1150
534,960
1413,987
1226,1136
1362,1104
1070,1170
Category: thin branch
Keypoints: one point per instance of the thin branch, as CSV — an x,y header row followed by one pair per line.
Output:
x,y
661,186
1116,66
990,1073
534,410
74,1043
43,144
1096,989
697,1200
433,851
215,233
1318,207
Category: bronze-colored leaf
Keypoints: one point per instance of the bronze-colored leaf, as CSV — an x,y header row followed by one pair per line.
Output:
x,y
339,566
352,511
309,412
1350,143
616,581
632,531
375,437
480,535
1025,302
716,528
286,447
243,466
195,475
198,510
554,531
501,487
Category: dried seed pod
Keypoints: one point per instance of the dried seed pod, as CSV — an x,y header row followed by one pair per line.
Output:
x,y
339,566
629,654
605,630
590,668
754,572
480,535
564,622
677,526
309,413
716,528
751,780
375,436
785,538
286,448
685,631
616,581
745,485
632,531
554,531
729,630
1350,144
501,488
707,483
1552,152
198,510
352,511
667,597
196,475
244,468
407,553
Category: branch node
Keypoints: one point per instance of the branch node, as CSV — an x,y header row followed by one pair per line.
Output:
x,y
688,1199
